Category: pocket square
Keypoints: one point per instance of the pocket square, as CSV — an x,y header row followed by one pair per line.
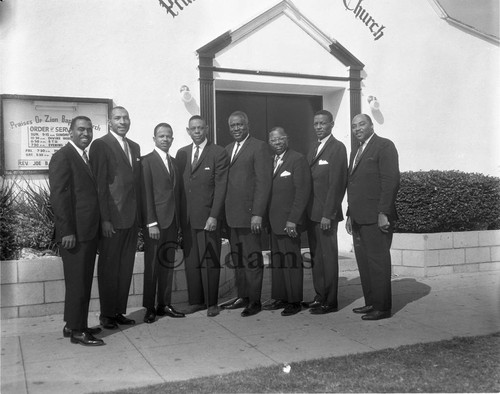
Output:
x,y
207,168
322,162
285,173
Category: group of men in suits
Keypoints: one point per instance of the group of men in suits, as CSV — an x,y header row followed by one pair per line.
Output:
x,y
100,200
305,194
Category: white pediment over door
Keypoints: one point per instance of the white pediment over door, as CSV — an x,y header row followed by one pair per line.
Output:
x,y
281,40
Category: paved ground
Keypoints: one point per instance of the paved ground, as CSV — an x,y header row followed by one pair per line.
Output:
x,y
36,358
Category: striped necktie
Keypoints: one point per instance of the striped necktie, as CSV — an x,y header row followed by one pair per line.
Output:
x,y
195,158
85,158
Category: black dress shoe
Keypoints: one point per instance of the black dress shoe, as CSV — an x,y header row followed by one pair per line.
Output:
x,y
124,321
324,309
252,309
85,338
239,303
275,304
376,315
312,304
363,309
150,316
222,305
213,311
91,330
291,309
160,310
108,323
170,311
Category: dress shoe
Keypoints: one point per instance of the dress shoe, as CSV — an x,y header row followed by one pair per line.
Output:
x,y
168,310
312,304
85,338
323,309
363,309
291,309
150,316
213,311
124,321
238,303
275,304
91,330
376,315
108,323
222,305
252,309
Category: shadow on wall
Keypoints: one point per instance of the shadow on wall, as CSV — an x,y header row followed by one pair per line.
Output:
x,y
404,292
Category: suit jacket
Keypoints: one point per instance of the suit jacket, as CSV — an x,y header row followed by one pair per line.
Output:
x,y
329,180
73,195
160,191
203,187
118,182
249,182
290,192
374,183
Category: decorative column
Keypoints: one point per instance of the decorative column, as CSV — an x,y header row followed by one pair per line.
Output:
x,y
355,95
207,93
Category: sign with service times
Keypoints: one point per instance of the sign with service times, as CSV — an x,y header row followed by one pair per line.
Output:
x,y
34,127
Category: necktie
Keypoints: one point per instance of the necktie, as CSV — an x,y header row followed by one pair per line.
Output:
x,y
167,163
358,156
236,151
316,150
85,158
195,159
171,170
276,161
126,150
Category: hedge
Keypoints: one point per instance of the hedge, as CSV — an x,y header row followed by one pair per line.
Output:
x,y
443,201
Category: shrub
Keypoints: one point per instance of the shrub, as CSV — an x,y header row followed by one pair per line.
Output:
x,y
36,218
441,201
27,219
8,196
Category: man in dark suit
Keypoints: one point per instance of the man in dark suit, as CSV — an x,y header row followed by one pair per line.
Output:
x,y
371,193
248,190
160,185
289,196
116,166
73,196
328,162
203,167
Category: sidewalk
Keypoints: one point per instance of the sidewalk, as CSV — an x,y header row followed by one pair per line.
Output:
x,y
36,358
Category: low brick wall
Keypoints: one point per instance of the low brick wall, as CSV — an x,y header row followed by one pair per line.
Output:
x,y
445,253
36,287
